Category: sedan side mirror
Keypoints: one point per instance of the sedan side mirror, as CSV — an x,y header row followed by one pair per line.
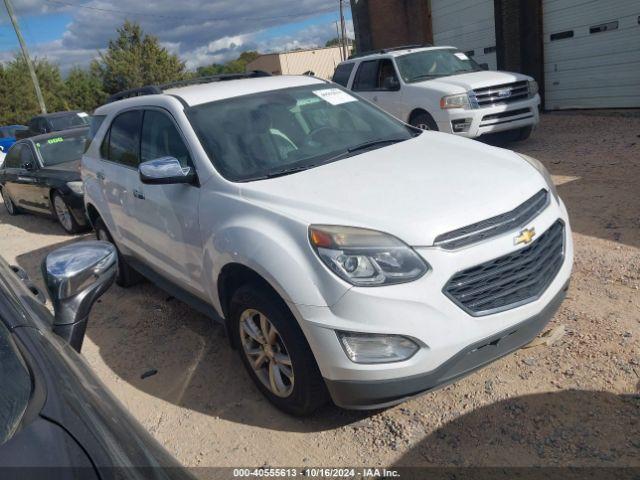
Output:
x,y
76,276
165,170
27,166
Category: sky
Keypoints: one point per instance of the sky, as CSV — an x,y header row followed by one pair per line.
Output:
x,y
201,32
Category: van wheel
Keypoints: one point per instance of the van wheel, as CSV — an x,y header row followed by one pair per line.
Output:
x,y
126,276
423,121
275,352
63,214
8,204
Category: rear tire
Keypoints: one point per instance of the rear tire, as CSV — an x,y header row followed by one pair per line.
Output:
x,y
9,206
126,276
298,387
423,121
62,213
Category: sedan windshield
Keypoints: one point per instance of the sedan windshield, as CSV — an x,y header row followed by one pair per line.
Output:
x,y
426,64
62,148
280,132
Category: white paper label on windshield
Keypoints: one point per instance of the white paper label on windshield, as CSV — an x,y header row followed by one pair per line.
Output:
x,y
334,96
461,56
82,114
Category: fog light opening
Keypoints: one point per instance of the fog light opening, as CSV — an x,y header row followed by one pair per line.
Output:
x,y
461,125
376,348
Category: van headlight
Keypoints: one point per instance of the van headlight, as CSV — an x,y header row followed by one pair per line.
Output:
x,y
366,257
544,172
460,100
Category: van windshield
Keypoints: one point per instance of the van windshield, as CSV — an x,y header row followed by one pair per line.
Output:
x,y
280,132
426,64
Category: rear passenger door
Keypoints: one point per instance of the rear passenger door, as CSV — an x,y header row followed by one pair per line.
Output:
x,y
169,233
118,177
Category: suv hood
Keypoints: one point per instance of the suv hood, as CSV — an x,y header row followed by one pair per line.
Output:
x,y
415,190
470,81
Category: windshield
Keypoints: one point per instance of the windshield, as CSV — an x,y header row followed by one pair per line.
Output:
x,y
62,148
428,64
66,122
278,132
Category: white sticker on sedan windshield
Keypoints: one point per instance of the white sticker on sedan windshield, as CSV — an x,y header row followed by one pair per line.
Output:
x,y
334,96
461,56
82,114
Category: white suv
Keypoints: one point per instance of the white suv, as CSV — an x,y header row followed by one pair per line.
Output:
x,y
441,88
348,254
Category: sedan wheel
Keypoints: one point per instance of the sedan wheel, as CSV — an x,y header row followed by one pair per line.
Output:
x,y
266,352
63,213
8,204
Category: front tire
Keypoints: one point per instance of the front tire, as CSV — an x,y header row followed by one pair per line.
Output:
x,y
524,133
275,352
126,276
9,206
423,121
63,214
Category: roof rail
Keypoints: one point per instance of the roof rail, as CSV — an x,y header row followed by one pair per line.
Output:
x,y
158,89
390,49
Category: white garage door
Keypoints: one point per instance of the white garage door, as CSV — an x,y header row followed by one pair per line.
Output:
x,y
592,53
468,25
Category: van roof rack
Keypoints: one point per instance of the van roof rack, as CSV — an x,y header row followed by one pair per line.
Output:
x,y
158,89
390,49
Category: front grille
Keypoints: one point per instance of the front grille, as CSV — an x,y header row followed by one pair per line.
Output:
x,y
501,94
494,226
511,280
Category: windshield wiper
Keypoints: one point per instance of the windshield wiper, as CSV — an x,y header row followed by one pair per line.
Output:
x,y
280,173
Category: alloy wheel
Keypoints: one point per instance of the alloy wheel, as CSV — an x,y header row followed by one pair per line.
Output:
x,y
423,126
63,213
8,203
266,352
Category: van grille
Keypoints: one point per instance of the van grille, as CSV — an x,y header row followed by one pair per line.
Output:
x,y
511,280
494,226
501,94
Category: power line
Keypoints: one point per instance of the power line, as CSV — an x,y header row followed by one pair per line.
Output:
x,y
326,9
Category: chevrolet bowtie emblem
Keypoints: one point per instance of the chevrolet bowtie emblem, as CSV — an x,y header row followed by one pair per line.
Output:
x,y
525,236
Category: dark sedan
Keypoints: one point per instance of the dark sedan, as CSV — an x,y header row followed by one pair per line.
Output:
x,y
57,420
42,175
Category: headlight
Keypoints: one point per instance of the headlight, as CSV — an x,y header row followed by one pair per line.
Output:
x,y
76,187
533,88
455,101
376,348
544,172
365,257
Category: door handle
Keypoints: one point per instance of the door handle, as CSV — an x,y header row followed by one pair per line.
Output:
x,y
138,194
100,175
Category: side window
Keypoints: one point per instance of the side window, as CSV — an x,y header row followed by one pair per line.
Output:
x,y
160,138
124,138
366,76
26,156
13,157
387,78
94,125
342,73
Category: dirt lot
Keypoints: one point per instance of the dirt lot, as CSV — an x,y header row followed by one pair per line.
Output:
x,y
575,403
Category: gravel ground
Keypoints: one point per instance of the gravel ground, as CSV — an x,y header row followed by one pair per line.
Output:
x,y
574,403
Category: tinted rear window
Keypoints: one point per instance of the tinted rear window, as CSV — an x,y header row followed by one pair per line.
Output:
x,y
73,120
342,73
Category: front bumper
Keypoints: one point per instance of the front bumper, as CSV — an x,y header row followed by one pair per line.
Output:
x,y
497,118
378,394
420,310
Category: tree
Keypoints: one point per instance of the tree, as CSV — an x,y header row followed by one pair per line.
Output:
x,y
135,59
335,42
19,101
84,90
238,65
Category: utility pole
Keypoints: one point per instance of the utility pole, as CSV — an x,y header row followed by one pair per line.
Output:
x,y
25,52
339,42
343,29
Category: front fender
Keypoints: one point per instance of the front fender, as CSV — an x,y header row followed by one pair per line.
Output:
x,y
277,249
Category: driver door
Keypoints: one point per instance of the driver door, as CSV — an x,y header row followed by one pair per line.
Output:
x,y
169,236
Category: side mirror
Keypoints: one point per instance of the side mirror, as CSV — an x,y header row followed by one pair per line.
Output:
x,y
391,83
27,166
165,170
76,276
484,66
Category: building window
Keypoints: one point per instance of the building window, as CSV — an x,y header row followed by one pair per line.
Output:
x,y
604,27
489,49
469,53
561,35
